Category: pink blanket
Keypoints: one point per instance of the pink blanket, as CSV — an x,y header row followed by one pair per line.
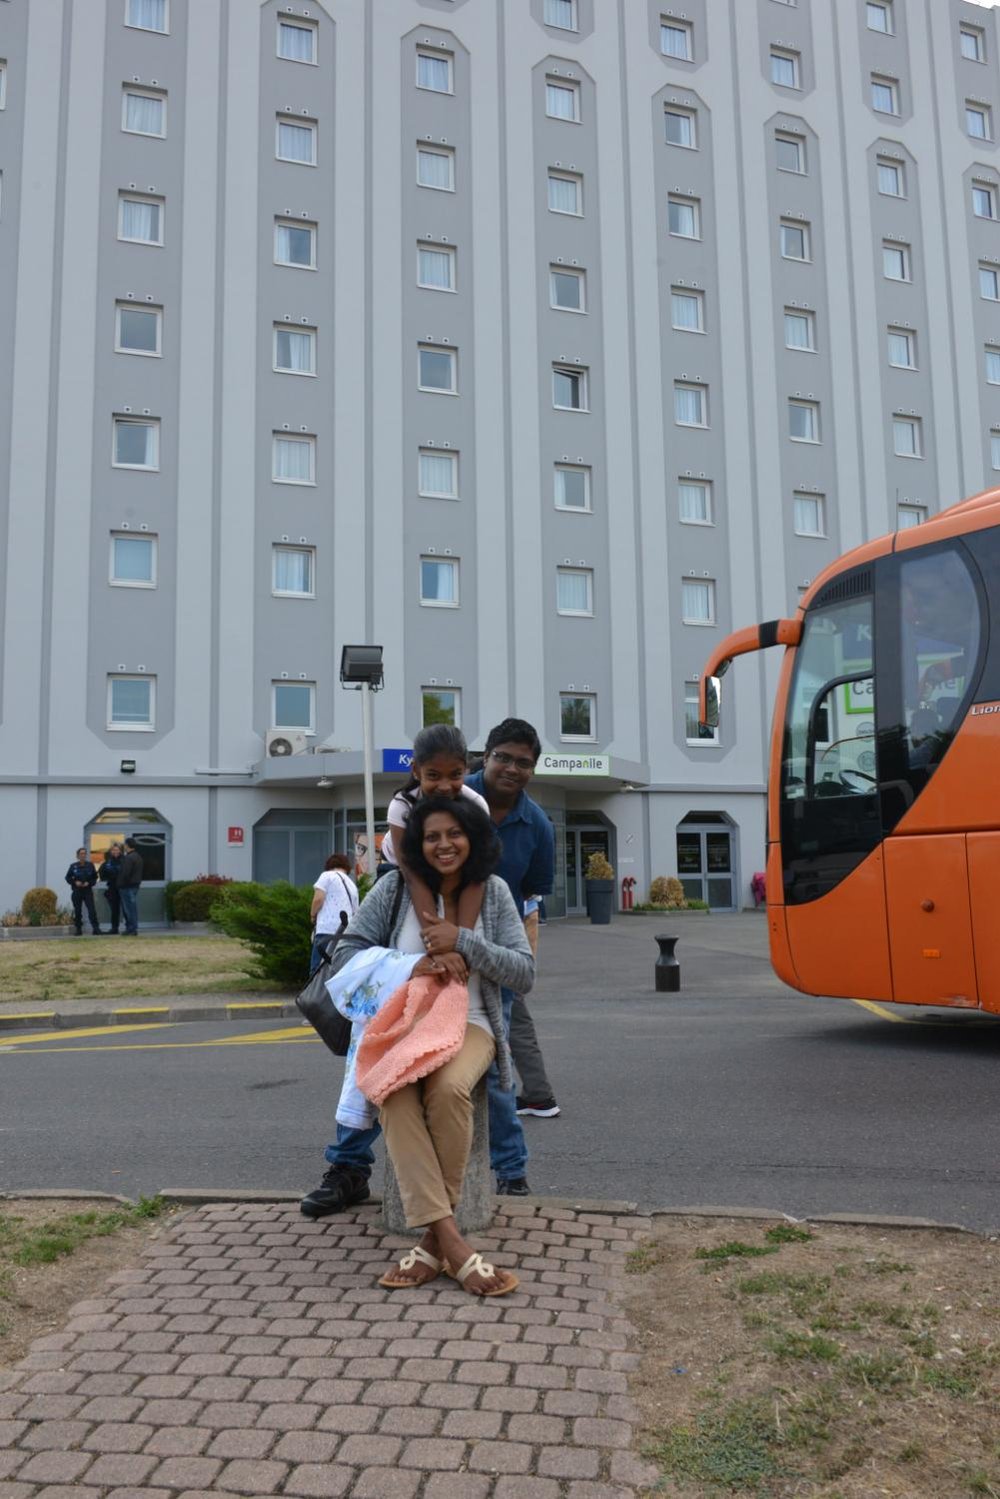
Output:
x,y
419,1028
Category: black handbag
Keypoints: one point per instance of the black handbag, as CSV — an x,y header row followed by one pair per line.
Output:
x,y
314,1003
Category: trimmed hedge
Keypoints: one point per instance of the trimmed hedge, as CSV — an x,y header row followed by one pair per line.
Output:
x,y
273,921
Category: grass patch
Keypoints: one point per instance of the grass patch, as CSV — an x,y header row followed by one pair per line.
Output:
x,y
734,1447
734,1249
641,1259
69,968
25,1244
787,1233
802,1345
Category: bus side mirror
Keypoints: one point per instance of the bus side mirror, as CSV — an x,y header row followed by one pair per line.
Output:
x,y
713,694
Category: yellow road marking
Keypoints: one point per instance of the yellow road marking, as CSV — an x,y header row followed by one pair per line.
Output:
x,y
70,1035
881,1011
171,1045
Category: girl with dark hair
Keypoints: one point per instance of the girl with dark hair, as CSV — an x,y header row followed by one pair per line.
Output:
x,y
450,846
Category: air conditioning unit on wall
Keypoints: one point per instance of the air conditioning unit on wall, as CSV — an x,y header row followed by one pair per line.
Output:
x,y
281,742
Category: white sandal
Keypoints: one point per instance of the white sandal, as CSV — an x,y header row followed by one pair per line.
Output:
x,y
476,1265
413,1256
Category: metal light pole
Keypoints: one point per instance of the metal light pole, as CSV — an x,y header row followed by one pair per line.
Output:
x,y
361,667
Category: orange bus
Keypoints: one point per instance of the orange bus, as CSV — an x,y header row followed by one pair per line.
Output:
x,y
883,821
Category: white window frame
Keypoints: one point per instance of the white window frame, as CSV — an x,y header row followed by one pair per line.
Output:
x,y
292,728
809,319
452,565
809,497
982,113
153,30
891,85
149,727
145,536
439,390
573,273
885,164
587,573
915,426
590,738
918,512
436,54
984,192
885,8
706,737
438,494
995,447
798,404
708,584
303,328
297,122
134,197
977,36
682,112
146,307
153,422
431,689
903,249
277,548
576,178
684,200
573,468
991,351
679,28
282,222
3,83
802,226
159,94
789,55
705,485
309,440
571,88
694,387
574,21
992,271
447,252
909,337
789,138
444,153
688,294
580,373
297,23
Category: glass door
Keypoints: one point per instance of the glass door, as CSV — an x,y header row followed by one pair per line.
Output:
x,y
580,844
705,866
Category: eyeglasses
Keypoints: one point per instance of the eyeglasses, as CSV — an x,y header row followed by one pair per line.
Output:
x,y
520,761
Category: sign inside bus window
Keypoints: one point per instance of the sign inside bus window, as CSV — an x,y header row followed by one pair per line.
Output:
x,y
859,697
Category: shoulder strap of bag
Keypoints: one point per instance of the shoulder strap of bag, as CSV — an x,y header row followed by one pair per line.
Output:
x,y
397,901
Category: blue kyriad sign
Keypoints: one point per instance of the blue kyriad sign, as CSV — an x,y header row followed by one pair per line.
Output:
x,y
396,761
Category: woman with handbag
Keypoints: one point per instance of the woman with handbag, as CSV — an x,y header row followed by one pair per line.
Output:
x,y
334,903
423,1054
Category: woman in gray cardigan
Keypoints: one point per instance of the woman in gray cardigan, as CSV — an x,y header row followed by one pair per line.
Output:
x,y
427,1125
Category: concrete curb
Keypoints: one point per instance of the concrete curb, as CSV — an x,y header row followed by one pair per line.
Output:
x,y
859,1220
66,1194
256,1009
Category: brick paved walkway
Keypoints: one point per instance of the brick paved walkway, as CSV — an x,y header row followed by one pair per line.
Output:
x,y
253,1354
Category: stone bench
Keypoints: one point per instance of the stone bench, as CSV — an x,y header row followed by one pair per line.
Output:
x,y
475,1208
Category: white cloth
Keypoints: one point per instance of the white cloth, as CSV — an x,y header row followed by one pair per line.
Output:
x,y
358,991
399,815
340,894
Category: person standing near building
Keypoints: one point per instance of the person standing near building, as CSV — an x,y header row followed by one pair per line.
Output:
x,y
108,875
335,897
81,877
129,880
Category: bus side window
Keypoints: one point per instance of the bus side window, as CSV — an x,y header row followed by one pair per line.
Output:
x,y
939,639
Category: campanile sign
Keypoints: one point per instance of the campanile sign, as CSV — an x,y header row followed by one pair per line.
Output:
x,y
572,765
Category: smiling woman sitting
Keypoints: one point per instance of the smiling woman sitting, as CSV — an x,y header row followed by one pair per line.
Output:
x,y
428,1122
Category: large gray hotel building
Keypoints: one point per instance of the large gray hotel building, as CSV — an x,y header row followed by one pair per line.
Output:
x,y
538,341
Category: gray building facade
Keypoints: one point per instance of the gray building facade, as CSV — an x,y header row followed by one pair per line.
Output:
x,y
541,342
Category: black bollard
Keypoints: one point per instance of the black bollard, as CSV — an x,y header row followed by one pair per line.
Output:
x,y
667,968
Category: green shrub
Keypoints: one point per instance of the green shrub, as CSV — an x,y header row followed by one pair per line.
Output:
x,y
194,902
273,921
170,889
39,905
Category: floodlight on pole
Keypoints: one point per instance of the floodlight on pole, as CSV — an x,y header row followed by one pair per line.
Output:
x,y
361,669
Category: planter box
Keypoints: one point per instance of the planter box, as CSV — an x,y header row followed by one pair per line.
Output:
x,y
33,933
600,899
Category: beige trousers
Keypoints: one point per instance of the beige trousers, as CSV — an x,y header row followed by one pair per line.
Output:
x,y
428,1131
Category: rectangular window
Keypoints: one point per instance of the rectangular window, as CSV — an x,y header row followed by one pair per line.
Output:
x,y
566,193
698,602
895,260
784,68
995,450
3,83
140,220
437,369
977,121
694,498
569,388
436,267
690,405
297,40
293,572
687,309
803,421
577,715
295,140
441,705
909,515
677,39
294,350
144,112
293,705
437,476
146,15
561,13
984,201
575,590
133,560
891,182
902,346
571,486
436,167
434,71
132,703
567,289
137,328
808,513
136,443
293,459
989,283
885,95
439,582
683,217
993,364
972,41
295,243
879,16
906,437
680,127
789,152
695,732
794,239
800,330
562,100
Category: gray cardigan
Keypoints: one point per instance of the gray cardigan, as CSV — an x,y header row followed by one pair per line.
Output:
x,y
501,956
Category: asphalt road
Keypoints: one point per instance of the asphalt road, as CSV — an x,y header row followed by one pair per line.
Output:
x,y
734,1093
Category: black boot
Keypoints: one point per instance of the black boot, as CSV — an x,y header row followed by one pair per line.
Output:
x,y
340,1188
